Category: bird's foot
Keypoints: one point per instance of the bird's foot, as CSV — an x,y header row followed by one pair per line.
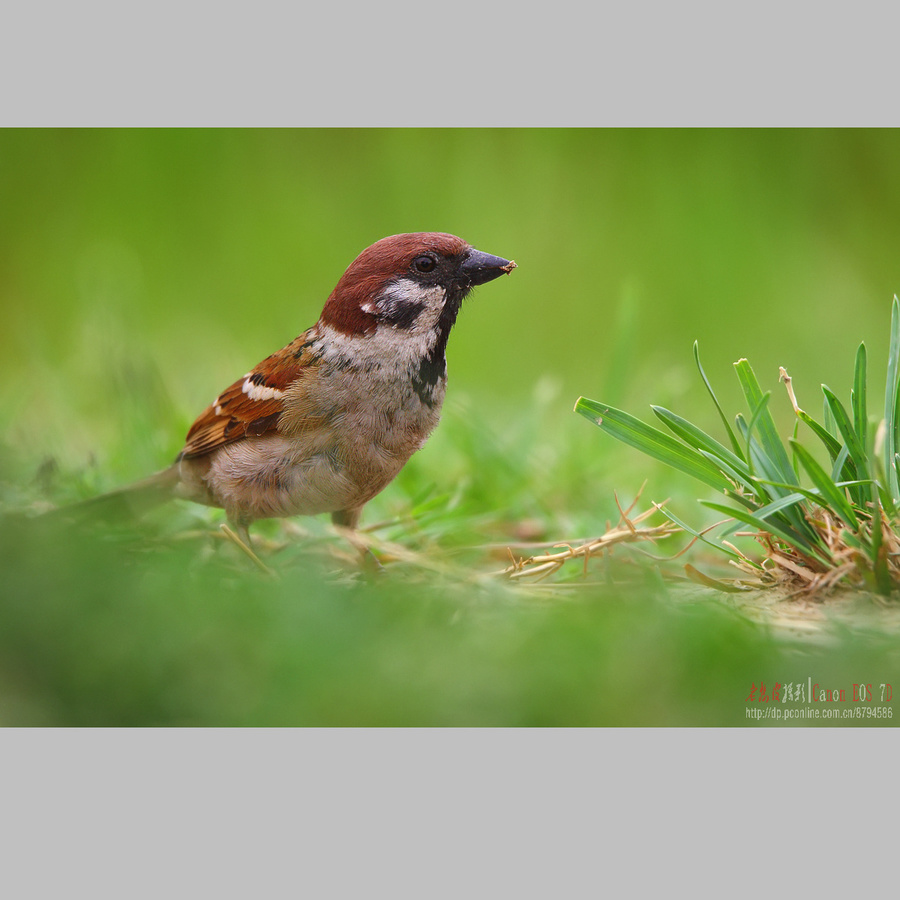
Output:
x,y
243,541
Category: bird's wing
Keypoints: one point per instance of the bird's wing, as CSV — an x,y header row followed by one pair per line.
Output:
x,y
252,405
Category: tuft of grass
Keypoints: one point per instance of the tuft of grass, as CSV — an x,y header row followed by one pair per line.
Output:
x,y
841,527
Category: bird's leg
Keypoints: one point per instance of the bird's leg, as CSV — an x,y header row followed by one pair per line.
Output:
x,y
347,520
240,536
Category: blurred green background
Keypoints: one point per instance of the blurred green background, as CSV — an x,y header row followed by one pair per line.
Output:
x,y
141,271
197,253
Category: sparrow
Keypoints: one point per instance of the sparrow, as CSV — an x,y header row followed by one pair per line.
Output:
x,y
328,421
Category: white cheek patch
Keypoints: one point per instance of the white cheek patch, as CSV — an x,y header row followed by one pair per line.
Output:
x,y
260,391
408,304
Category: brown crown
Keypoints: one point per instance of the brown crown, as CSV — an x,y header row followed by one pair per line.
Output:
x,y
373,268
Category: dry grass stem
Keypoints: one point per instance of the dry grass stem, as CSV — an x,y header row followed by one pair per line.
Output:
x,y
625,532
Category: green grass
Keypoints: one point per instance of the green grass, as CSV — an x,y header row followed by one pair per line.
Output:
x,y
839,530
161,622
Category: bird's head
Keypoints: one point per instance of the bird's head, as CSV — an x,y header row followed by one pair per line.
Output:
x,y
409,283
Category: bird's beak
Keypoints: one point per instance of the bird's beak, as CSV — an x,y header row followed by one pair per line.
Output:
x,y
480,268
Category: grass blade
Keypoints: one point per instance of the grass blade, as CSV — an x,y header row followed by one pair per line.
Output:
x,y
652,441
828,420
767,525
784,511
699,439
832,444
768,487
761,467
825,435
765,425
740,477
830,492
731,436
855,450
848,432
755,415
858,399
891,395
699,535
880,553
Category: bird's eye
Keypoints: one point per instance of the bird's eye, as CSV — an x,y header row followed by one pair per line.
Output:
x,y
424,263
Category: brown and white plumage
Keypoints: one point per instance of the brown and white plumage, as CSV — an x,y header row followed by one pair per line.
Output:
x,y
324,424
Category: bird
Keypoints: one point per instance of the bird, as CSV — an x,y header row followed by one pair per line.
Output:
x,y
328,421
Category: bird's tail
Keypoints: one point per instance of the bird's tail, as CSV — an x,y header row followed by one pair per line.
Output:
x,y
124,503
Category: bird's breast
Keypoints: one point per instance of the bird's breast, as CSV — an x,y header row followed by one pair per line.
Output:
x,y
373,415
